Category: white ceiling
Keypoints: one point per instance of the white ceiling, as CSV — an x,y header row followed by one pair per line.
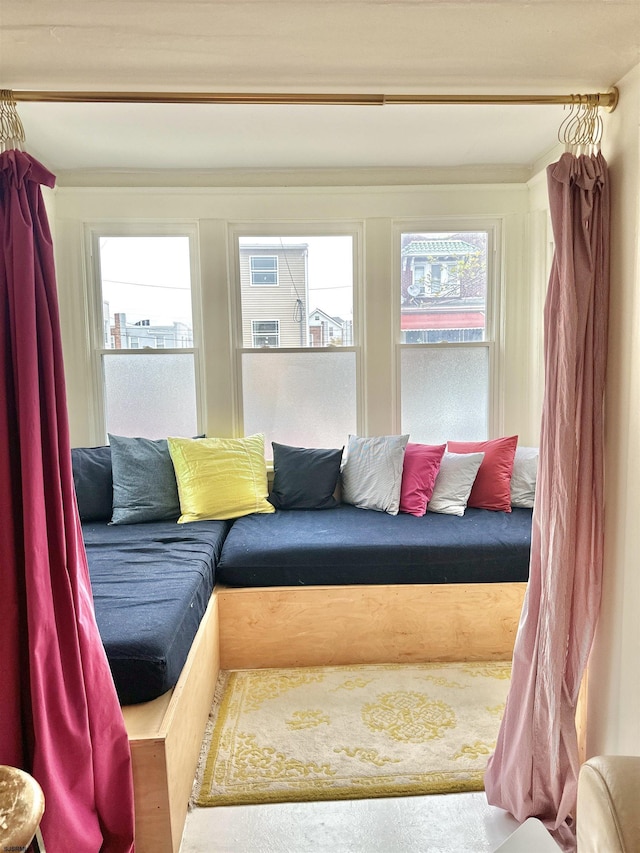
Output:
x,y
381,46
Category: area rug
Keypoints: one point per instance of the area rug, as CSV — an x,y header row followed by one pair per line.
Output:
x,y
347,732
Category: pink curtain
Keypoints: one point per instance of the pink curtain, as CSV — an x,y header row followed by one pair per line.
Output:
x,y
534,769
59,714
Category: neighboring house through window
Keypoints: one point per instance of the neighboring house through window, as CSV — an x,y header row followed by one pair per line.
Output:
x,y
325,330
297,366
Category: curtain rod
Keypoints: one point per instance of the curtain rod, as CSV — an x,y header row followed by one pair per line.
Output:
x,y
608,100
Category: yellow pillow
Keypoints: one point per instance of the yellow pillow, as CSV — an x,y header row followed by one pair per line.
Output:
x,y
220,478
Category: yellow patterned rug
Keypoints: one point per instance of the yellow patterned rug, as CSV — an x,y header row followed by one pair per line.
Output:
x,y
346,732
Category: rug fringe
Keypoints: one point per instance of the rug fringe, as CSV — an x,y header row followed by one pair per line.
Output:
x,y
218,693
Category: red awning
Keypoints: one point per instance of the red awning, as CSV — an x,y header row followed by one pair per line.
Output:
x,y
453,320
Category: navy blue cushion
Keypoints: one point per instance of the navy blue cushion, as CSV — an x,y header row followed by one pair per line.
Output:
x,y
93,481
304,477
359,546
151,585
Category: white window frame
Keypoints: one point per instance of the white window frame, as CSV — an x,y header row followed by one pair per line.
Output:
x,y
276,270
255,334
494,325
93,232
293,229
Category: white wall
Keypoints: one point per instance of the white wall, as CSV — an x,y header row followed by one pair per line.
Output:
x,y
373,208
49,198
614,672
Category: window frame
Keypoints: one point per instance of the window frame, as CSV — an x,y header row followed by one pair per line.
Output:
x,y
93,232
276,270
275,334
289,229
494,322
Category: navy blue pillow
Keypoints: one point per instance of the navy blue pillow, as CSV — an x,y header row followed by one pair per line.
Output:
x,y
93,481
304,477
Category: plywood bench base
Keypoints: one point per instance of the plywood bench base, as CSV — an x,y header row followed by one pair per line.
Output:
x,y
246,628
165,737
335,625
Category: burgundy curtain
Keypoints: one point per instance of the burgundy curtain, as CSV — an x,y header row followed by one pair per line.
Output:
x,y
534,769
59,714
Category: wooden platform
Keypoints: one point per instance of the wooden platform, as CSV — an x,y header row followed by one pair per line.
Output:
x,y
165,738
334,625
247,628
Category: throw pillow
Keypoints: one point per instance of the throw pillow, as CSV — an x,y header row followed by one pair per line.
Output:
x,y
454,482
492,488
523,478
220,478
92,478
304,477
421,465
144,482
372,472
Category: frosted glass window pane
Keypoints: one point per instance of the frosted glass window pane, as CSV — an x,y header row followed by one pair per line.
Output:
x,y
301,399
150,395
445,394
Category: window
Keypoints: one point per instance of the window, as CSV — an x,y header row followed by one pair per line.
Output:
x,y
266,333
295,343
446,333
144,350
264,270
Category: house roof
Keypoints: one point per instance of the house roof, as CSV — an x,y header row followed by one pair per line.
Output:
x,y
338,321
439,247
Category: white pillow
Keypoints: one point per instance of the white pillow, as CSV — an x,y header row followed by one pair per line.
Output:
x,y
454,482
372,472
523,478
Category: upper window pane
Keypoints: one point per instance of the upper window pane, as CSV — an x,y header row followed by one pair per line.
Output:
x,y
444,287
296,291
146,292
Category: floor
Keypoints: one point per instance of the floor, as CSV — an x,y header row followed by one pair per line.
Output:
x,y
450,823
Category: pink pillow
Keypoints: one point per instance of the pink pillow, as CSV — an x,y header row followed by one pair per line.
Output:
x,y
421,465
492,488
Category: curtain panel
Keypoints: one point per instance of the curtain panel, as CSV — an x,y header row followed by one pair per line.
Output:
x,y
534,769
61,720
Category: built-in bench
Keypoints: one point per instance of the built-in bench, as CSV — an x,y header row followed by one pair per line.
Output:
x,y
298,587
257,627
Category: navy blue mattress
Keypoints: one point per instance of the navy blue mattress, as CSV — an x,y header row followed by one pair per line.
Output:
x,y
348,545
151,585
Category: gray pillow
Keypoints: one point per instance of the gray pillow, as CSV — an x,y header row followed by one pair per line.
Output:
x,y
372,472
144,482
